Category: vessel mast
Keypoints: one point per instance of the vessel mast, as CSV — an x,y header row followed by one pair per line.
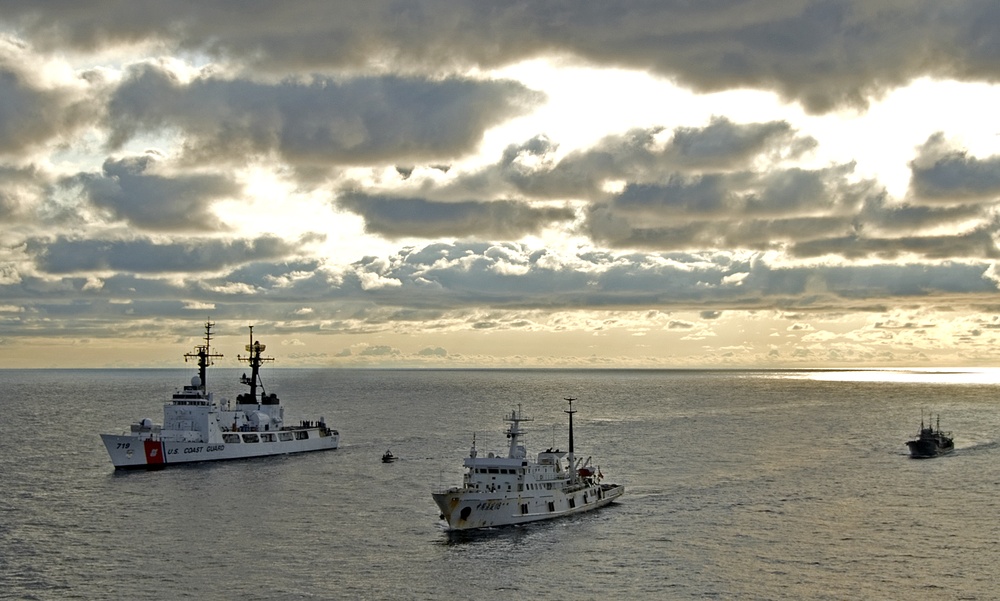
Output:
x,y
204,354
514,432
255,348
570,456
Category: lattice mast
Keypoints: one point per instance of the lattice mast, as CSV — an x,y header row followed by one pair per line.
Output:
x,y
203,353
256,349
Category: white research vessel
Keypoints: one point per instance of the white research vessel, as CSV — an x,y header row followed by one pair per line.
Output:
x,y
501,491
195,428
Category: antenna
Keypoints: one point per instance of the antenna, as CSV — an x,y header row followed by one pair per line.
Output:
x,y
256,349
203,353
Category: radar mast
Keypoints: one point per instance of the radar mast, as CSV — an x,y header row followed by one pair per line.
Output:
x,y
256,349
203,353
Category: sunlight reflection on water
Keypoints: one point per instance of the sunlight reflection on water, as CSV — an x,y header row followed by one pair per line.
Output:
x,y
905,375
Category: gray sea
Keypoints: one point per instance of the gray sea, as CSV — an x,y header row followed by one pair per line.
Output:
x,y
747,485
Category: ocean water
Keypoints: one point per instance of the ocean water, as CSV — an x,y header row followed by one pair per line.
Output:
x,y
747,485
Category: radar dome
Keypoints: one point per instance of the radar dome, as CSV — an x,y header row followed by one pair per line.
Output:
x,y
196,381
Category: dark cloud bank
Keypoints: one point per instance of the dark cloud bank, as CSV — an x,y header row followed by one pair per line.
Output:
x,y
822,53
703,218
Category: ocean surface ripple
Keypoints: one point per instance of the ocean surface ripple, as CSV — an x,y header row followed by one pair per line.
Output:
x,y
750,485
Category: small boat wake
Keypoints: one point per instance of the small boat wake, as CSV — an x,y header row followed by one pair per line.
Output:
x,y
986,446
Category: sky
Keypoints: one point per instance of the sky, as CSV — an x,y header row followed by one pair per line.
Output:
x,y
458,183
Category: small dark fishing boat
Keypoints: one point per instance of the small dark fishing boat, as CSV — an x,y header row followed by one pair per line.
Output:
x,y
931,442
388,457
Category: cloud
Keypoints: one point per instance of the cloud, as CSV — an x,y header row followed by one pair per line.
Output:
x,y
674,190
64,255
823,55
138,142
22,191
131,189
396,217
761,210
447,287
315,123
881,214
35,112
726,145
379,351
465,275
374,281
637,157
436,351
943,174
978,243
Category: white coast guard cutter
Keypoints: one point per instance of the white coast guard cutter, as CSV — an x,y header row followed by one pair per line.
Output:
x,y
196,428
500,491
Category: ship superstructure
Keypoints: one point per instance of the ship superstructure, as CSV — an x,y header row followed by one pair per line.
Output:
x,y
196,428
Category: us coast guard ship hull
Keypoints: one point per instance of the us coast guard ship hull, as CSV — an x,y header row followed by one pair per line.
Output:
x,y
502,491
196,428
